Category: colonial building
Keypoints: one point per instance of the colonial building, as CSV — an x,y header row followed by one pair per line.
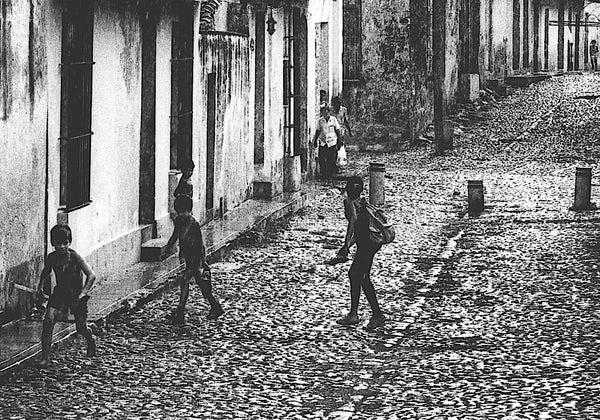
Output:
x,y
102,101
529,36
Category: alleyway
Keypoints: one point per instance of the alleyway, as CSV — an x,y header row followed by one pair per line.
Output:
x,y
503,326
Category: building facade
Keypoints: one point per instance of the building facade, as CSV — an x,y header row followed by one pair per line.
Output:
x,y
104,100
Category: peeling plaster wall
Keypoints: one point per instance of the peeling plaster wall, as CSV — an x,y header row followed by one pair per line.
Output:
x,y
500,47
452,50
394,103
228,56
23,148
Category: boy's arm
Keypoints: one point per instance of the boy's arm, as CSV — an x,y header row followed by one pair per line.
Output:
x,y
315,138
350,213
347,124
90,276
45,276
172,239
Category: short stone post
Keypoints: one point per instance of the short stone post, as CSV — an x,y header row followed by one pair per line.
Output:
x,y
583,189
475,197
376,183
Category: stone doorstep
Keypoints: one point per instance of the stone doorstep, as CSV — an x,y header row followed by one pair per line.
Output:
x,y
153,248
160,284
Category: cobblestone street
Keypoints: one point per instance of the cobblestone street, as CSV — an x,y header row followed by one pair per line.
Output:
x,y
489,317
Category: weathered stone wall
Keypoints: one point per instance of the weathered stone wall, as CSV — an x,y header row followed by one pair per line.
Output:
x,y
228,57
23,148
394,102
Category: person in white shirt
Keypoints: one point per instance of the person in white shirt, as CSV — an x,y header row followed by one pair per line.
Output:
x,y
327,137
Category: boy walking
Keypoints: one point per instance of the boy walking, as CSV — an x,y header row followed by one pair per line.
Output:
x,y
360,271
69,293
191,250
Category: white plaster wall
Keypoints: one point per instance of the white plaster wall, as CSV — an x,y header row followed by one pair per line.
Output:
x,y
502,37
22,147
272,170
484,55
336,46
163,120
54,36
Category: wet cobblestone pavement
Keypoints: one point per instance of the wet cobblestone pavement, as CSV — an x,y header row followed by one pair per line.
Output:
x,y
494,317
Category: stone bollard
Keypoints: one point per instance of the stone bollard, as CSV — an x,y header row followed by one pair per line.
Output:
x,y
376,183
475,196
583,189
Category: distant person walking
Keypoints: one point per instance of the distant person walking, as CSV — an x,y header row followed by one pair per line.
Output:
x,y
594,55
326,138
341,114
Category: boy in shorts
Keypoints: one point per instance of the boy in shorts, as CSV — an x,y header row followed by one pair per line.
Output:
x,y
69,293
191,250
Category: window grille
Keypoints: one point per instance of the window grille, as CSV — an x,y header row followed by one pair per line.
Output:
x,y
76,104
352,40
288,84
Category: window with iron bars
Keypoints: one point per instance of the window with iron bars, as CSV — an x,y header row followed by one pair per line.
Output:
x,y
76,104
352,40
288,85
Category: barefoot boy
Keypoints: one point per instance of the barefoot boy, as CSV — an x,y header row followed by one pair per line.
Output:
x,y
187,231
360,270
69,293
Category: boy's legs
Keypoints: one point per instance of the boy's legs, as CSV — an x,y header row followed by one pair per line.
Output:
x,y
356,274
331,153
184,285
206,288
377,319
79,310
47,333
323,161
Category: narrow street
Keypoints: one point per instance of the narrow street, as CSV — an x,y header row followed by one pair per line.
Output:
x,y
494,317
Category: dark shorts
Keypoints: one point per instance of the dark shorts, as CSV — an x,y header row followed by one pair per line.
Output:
x,y
65,301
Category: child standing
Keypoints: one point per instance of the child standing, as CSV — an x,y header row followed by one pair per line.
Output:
x,y
327,137
68,293
360,271
187,231
594,55
185,187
